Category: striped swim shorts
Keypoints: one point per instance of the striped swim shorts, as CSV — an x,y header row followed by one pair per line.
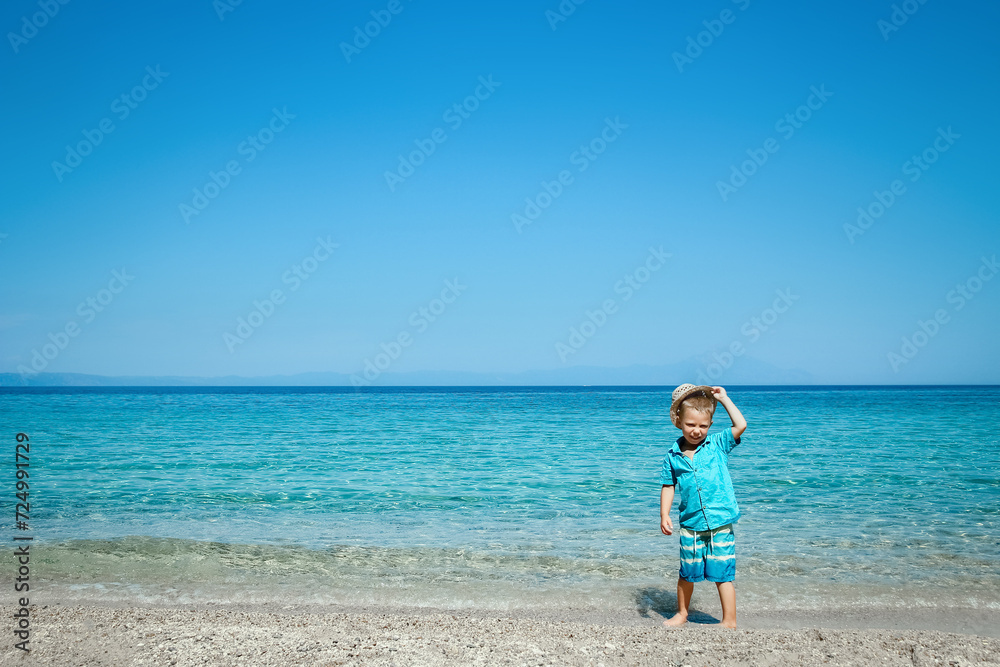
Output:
x,y
708,555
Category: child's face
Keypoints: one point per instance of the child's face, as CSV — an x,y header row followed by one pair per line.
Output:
x,y
694,424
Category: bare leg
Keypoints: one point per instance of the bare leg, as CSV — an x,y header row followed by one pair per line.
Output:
x,y
684,590
727,596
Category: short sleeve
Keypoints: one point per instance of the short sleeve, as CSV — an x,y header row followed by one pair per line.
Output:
x,y
667,477
727,441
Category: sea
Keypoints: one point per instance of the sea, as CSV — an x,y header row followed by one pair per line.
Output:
x,y
496,498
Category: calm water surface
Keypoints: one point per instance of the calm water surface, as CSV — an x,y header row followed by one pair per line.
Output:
x,y
502,498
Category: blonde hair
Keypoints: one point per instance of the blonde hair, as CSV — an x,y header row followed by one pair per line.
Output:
x,y
698,403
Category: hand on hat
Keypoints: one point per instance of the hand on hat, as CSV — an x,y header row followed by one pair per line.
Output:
x,y
719,392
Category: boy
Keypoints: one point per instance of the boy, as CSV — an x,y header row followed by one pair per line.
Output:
x,y
698,466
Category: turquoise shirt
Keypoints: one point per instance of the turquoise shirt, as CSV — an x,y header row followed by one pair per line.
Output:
x,y
703,482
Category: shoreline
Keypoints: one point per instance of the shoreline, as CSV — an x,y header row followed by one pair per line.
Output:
x,y
123,634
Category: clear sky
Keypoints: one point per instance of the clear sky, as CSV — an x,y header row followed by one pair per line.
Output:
x,y
505,167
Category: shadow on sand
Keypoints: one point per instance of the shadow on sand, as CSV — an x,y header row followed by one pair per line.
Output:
x,y
664,602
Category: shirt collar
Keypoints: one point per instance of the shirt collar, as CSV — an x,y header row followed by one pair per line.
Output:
x,y
676,447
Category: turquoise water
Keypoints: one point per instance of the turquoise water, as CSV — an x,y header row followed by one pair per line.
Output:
x,y
501,498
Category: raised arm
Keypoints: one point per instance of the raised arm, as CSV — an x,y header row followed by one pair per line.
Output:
x,y
739,423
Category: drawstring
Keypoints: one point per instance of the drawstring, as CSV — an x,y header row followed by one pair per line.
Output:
x,y
710,545
711,541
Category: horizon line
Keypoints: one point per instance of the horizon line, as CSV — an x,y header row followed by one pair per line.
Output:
x,y
501,386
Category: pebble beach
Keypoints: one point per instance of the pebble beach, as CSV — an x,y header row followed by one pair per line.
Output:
x,y
94,636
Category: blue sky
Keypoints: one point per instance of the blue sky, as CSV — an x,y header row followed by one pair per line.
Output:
x,y
660,133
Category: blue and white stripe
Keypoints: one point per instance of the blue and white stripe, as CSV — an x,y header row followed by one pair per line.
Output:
x,y
708,554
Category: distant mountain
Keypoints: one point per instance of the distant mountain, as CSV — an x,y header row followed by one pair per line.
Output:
x,y
744,371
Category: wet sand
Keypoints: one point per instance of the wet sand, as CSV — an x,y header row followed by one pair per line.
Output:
x,y
71,634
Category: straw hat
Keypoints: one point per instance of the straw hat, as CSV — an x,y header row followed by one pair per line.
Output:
x,y
685,391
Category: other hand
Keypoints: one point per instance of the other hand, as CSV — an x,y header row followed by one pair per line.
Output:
x,y
666,525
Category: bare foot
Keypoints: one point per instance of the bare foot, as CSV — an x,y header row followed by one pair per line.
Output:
x,y
676,621
728,624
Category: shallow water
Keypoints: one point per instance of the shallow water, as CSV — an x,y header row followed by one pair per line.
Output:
x,y
501,498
